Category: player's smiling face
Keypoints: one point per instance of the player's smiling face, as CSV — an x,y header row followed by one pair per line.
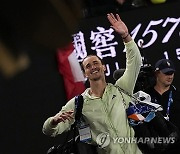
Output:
x,y
93,68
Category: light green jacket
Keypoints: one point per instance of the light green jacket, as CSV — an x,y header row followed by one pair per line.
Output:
x,y
108,113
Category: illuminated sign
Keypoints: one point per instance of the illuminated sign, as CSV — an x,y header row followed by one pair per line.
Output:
x,y
157,34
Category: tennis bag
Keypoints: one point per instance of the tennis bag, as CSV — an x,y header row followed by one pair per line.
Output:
x,y
152,130
74,145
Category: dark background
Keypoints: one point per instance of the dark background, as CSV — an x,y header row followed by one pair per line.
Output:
x,y
33,95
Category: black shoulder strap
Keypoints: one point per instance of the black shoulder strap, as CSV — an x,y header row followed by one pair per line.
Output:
x,y
125,92
78,106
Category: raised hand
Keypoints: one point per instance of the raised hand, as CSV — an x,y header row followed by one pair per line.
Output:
x,y
62,117
118,25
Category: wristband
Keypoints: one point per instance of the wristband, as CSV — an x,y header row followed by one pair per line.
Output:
x,y
125,36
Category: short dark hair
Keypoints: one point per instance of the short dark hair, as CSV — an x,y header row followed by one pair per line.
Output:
x,y
102,62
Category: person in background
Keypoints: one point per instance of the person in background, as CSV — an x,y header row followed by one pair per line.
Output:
x,y
166,94
104,108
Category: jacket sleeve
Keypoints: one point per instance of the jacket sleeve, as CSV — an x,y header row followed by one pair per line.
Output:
x,y
133,65
51,130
